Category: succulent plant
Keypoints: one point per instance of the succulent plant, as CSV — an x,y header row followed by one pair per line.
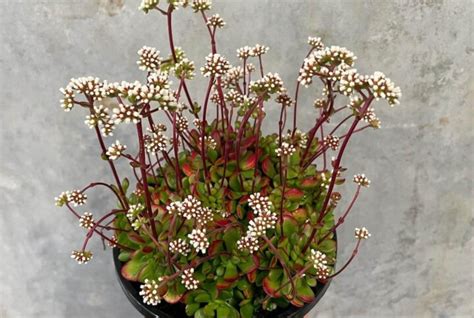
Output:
x,y
220,217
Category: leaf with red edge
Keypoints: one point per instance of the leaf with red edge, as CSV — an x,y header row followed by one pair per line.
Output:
x,y
172,296
248,162
231,274
249,264
309,183
296,302
271,287
248,142
223,284
300,215
268,168
131,270
252,276
303,291
134,237
215,247
187,169
294,194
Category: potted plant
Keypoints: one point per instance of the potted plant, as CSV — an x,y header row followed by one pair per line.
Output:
x,y
220,219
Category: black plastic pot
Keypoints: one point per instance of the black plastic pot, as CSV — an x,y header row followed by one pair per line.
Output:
x,y
165,310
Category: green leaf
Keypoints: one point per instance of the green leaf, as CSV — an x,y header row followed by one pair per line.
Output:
x,y
132,268
231,237
191,309
124,256
202,298
303,291
231,274
246,311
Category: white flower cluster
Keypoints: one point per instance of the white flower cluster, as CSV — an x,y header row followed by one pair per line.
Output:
x,y
371,118
182,123
67,102
383,87
361,234
300,138
244,52
126,114
248,243
150,293
180,246
62,199
77,197
331,141
155,142
216,21
234,97
286,149
188,280
315,43
113,241
331,62
270,84
191,208
86,221
115,150
184,69
260,204
99,114
209,142
216,65
198,240
319,262
201,5
351,81
361,180
134,210
285,100
233,75
265,219
82,257
259,50
149,59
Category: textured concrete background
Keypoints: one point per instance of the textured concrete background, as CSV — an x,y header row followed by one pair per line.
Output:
x,y
419,209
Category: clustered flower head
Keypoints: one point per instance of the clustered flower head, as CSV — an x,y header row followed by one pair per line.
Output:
x,y
100,114
216,21
259,225
147,5
149,59
285,100
82,257
67,102
315,43
188,280
328,61
77,197
383,87
184,69
201,5
269,84
86,221
361,234
126,114
216,65
191,208
318,258
362,180
150,292
209,142
258,50
134,210
286,149
198,240
244,52
155,142
331,141
115,150
180,246
259,204
62,198
371,118
248,243
182,123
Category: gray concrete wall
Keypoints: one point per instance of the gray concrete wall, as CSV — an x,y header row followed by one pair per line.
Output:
x,y
419,208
